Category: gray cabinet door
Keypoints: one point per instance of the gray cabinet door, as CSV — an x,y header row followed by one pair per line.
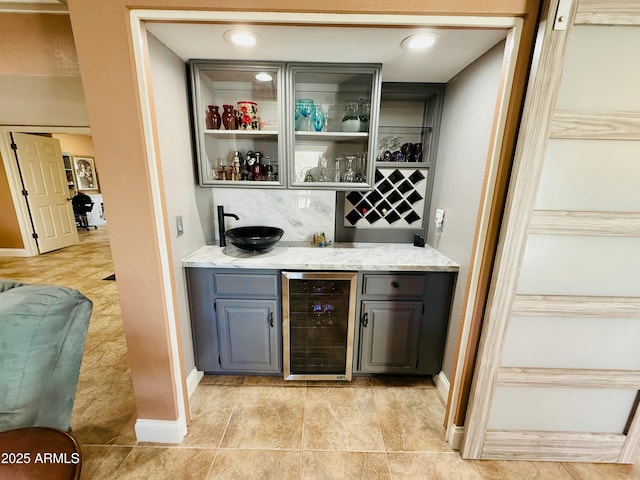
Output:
x,y
248,333
389,336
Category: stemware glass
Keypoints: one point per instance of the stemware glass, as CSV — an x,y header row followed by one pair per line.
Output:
x,y
337,174
318,118
350,175
303,113
361,162
323,168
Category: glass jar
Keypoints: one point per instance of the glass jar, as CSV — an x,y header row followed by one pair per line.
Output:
x,y
351,118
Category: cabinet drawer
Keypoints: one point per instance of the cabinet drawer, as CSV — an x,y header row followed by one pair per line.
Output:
x,y
247,285
394,285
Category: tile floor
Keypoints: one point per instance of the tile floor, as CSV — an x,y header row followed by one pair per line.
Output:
x,y
259,427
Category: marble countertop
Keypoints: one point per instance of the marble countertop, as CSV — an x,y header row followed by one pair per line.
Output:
x,y
338,256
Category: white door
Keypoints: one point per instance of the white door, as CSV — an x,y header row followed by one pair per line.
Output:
x,y
558,370
45,181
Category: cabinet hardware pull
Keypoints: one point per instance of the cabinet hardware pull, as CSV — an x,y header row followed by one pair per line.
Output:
x,y
365,319
271,319
395,284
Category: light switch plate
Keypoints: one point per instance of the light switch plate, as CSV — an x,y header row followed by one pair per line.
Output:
x,y
179,228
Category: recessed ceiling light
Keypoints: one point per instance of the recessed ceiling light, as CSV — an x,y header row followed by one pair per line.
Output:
x,y
263,77
420,41
241,38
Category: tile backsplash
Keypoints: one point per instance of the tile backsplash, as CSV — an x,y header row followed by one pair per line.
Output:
x,y
300,213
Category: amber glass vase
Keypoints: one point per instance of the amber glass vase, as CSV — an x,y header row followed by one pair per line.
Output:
x,y
213,118
229,117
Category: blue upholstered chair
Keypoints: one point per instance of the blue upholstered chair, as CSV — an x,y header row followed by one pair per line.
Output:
x,y
42,335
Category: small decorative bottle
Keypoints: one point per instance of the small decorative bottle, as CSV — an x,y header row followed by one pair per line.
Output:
x,y
222,169
270,177
257,167
249,162
235,175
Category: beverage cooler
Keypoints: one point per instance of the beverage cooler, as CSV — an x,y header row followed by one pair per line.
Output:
x,y
318,324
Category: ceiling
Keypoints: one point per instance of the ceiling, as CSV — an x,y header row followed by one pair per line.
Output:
x,y
457,48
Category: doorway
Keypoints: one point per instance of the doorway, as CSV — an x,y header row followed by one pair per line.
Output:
x,y
44,189
69,143
162,146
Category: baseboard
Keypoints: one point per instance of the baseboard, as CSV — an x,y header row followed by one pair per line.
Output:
x,y
442,385
160,431
15,252
454,436
193,380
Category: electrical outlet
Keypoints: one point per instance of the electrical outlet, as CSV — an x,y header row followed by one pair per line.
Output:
x,y
179,228
439,217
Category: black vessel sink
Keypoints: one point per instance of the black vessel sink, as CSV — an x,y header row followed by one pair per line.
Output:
x,y
254,238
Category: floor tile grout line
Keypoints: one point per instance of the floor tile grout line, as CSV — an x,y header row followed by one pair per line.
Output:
x,y
115,473
384,443
226,427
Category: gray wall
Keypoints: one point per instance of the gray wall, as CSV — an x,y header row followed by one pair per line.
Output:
x,y
169,83
469,106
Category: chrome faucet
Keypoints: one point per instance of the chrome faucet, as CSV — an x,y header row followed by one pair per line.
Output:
x,y
221,229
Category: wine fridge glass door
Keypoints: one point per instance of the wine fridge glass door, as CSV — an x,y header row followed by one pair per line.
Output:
x,y
318,325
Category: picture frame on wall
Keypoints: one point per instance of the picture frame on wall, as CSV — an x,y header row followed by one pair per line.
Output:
x,y
85,172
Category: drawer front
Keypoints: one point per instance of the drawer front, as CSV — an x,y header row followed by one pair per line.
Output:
x,y
247,285
390,285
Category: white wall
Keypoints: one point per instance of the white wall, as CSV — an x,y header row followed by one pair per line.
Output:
x,y
169,83
469,106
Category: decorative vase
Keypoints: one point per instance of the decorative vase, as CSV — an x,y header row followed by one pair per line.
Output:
x,y
229,117
213,118
248,116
